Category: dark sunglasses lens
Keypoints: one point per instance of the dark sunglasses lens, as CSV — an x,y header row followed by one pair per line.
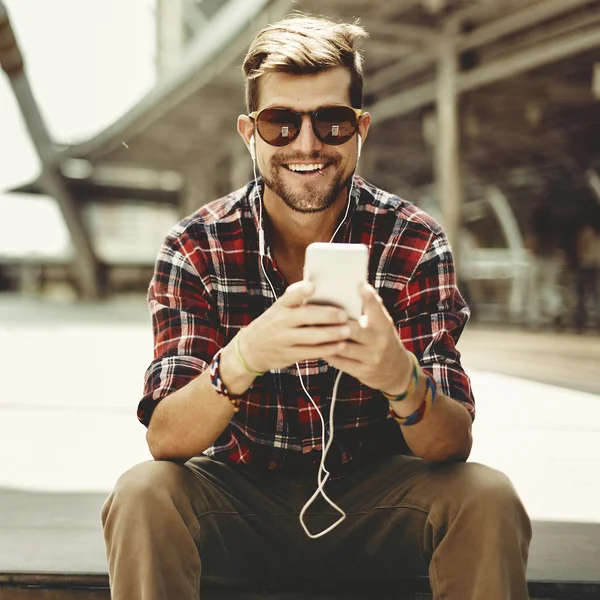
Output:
x,y
336,124
278,126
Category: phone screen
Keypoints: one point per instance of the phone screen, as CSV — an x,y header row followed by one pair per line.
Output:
x,y
337,270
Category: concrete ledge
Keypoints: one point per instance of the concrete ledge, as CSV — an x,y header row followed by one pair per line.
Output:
x,y
95,586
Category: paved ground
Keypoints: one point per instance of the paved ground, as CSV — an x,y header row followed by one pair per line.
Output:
x,y
565,360
71,377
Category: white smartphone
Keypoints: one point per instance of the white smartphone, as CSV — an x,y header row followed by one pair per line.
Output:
x,y
337,270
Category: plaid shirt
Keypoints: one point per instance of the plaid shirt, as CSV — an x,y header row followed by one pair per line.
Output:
x,y
208,284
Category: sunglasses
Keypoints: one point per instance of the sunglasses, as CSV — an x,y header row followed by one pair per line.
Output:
x,y
333,125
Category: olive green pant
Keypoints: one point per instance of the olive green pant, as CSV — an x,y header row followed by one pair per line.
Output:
x,y
170,526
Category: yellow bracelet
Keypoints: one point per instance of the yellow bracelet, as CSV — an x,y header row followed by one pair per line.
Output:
x,y
241,359
412,385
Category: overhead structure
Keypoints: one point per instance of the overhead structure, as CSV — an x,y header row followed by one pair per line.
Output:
x,y
51,182
500,90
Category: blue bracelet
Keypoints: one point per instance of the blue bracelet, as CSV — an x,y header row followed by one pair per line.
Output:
x,y
418,415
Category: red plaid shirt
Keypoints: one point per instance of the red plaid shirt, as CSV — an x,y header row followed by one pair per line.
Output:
x,y
208,284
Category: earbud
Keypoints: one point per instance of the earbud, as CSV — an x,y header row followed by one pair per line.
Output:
x,y
252,148
359,146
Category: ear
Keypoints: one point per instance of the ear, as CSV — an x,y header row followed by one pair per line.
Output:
x,y
245,128
363,130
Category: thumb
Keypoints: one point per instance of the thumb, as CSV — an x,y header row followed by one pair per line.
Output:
x,y
297,293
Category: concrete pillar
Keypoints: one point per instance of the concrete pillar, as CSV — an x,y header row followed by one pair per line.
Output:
x,y
447,147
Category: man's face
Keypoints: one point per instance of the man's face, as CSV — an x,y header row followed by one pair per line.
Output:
x,y
312,191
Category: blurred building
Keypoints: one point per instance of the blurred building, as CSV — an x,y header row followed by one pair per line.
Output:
x,y
482,110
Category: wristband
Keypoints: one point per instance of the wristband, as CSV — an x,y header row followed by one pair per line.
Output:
x,y
241,359
217,382
424,407
412,384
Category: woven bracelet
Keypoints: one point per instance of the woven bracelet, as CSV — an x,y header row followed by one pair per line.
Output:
x,y
217,381
424,407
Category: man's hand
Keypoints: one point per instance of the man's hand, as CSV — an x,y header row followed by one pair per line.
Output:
x,y
373,353
291,331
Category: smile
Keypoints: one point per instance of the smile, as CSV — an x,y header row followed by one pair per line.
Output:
x,y
306,168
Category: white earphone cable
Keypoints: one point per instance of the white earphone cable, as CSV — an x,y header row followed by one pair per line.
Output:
x,y
323,474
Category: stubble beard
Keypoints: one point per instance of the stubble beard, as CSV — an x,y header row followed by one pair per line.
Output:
x,y
309,199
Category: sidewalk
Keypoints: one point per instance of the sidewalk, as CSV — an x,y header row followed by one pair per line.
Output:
x,y
72,376
562,359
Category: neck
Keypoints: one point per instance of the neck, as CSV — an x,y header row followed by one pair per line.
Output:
x,y
291,231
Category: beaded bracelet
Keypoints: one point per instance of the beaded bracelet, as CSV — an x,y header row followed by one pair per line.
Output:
x,y
423,409
217,381
412,385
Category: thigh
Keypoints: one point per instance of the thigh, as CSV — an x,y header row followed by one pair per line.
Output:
x,y
397,513
248,523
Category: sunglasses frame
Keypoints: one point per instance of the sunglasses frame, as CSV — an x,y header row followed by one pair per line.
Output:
x,y
313,114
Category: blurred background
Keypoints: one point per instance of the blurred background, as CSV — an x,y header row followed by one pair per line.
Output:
x,y
118,118
124,118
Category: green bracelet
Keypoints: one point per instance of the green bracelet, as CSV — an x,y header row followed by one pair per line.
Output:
x,y
241,359
412,384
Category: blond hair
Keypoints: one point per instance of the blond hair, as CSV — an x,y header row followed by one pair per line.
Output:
x,y
301,44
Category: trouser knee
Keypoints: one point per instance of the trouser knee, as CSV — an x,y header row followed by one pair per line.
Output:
x,y
148,490
488,499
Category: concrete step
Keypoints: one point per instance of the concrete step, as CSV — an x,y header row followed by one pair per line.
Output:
x,y
78,586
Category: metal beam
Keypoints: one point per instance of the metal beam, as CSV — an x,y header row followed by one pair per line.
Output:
x,y
402,32
383,48
507,25
583,20
517,21
11,60
387,10
482,11
209,56
402,69
530,59
404,103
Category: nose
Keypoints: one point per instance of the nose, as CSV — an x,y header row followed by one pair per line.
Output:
x,y
307,142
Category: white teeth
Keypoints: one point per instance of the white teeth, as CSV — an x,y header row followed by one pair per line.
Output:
x,y
313,167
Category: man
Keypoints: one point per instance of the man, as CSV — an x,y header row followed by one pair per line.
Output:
x,y
237,441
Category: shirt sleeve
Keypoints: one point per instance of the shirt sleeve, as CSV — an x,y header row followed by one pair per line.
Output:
x,y
184,322
434,315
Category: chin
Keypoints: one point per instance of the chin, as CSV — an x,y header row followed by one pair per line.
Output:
x,y
309,197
